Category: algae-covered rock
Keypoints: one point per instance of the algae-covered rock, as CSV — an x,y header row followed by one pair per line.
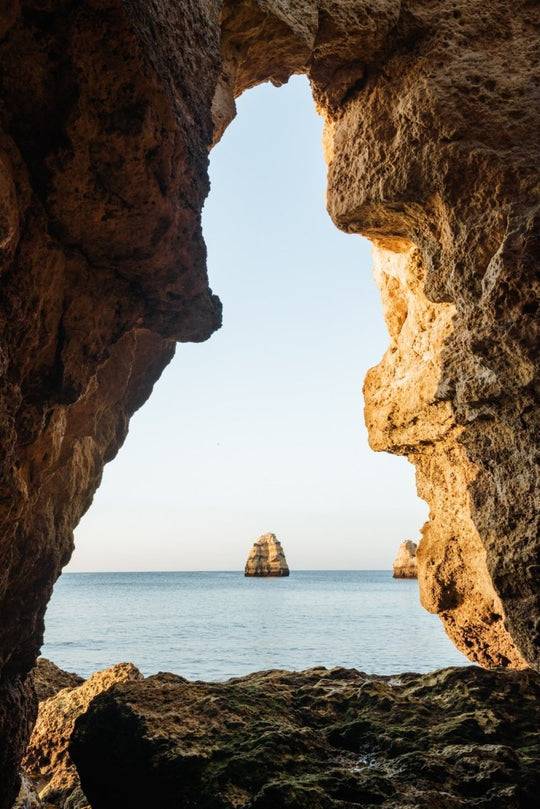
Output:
x,y
319,739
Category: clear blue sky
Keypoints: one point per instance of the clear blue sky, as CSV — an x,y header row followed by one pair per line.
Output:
x,y
261,428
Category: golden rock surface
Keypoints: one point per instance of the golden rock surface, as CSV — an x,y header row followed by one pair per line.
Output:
x,y
266,558
108,111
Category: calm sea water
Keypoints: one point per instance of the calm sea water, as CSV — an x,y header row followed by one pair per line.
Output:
x,y
212,626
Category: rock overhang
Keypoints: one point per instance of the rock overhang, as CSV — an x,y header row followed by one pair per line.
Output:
x,y
107,121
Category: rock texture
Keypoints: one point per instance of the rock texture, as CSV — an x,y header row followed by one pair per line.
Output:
x,y
47,762
317,739
405,566
266,558
49,679
28,797
432,121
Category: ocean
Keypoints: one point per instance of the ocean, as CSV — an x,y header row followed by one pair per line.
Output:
x,y
215,625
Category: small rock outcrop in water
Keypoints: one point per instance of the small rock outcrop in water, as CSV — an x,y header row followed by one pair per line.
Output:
x,y
266,558
405,566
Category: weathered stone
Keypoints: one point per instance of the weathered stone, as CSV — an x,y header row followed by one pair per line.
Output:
x,y
318,739
28,797
266,558
49,679
47,760
432,123
405,566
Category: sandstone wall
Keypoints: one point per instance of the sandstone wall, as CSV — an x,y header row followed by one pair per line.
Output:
x,y
431,139
103,156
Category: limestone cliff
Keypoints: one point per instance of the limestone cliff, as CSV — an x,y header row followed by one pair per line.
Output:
x,y
266,558
432,122
405,565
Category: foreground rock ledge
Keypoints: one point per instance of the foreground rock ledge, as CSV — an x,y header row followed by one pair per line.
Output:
x,y
108,110
318,739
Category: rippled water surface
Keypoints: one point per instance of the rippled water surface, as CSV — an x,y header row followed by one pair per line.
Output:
x,y
212,626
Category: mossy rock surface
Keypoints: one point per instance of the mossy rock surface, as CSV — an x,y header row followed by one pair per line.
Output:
x,y
319,739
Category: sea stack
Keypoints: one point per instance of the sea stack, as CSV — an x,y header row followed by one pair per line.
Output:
x,y
266,558
405,566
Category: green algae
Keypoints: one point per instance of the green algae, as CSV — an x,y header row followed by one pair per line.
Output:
x,y
318,739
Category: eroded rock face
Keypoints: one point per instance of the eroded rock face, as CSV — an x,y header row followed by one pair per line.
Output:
x,y
103,155
108,110
266,558
317,739
405,565
47,760
49,679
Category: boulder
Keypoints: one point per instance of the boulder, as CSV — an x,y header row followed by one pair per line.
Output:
x,y
266,558
50,775
405,565
49,679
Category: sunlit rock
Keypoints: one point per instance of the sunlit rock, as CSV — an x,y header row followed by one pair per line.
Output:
x,y
108,112
47,761
266,558
405,561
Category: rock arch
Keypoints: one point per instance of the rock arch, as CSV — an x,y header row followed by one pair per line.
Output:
x,y
108,111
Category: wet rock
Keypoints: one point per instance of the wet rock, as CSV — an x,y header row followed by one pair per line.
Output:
x,y
266,558
319,739
28,797
405,566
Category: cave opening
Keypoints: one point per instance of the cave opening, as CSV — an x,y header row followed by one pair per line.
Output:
x,y
258,429
261,427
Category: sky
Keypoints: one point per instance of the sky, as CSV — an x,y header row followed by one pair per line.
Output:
x,y
261,429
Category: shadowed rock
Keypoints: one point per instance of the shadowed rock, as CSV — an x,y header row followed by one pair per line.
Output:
x,y
317,739
108,109
47,759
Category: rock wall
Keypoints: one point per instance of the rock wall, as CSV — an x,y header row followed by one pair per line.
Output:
x,y
103,156
108,110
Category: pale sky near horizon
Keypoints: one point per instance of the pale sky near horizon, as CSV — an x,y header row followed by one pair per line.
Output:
x,y
261,428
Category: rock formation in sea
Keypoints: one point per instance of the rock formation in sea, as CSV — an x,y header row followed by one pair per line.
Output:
x,y
109,108
266,558
405,566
